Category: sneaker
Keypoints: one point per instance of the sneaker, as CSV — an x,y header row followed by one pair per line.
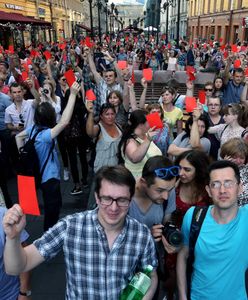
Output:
x,y
66,175
76,191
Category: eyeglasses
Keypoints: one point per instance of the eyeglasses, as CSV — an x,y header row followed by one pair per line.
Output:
x,y
166,172
121,201
208,90
228,184
213,105
21,118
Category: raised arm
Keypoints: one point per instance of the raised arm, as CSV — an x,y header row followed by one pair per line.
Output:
x,y
226,74
91,129
243,96
143,94
16,258
92,66
67,113
190,88
194,132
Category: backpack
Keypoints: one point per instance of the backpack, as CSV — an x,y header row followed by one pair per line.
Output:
x,y
198,217
28,163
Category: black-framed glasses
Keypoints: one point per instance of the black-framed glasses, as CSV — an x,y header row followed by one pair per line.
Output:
x,y
120,201
228,184
166,172
21,118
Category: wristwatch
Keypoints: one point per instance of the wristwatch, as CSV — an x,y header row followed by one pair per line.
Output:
x,y
27,293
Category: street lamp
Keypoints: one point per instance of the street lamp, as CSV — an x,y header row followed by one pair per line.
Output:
x,y
166,7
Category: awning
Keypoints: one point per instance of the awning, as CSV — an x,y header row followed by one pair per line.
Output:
x,y
84,27
19,18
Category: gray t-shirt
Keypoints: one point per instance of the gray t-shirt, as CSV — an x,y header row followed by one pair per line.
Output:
x,y
155,213
181,142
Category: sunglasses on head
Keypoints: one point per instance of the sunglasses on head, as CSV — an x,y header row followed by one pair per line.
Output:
x,y
166,172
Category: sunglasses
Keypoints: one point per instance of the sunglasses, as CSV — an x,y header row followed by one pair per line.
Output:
x,y
166,172
21,118
63,79
208,90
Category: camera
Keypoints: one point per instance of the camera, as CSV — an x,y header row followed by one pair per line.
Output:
x,y
172,234
45,91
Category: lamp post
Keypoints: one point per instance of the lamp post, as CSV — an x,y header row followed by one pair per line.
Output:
x,y
112,16
166,5
106,11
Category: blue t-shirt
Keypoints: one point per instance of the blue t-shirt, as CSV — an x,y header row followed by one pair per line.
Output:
x,y
220,257
9,285
4,103
232,93
43,144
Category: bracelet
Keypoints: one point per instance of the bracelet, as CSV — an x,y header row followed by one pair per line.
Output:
x,y
27,293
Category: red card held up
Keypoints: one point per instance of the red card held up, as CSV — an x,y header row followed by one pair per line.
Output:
x,y
246,72
133,77
234,48
27,195
34,53
191,76
154,120
47,54
147,74
202,96
11,49
62,46
88,42
190,103
190,69
122,64
24,75
237,63
70,77
90,95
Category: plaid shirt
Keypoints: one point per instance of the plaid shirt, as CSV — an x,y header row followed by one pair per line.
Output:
x,y
93,270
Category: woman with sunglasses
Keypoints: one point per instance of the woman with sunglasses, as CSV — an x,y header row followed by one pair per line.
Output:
x,y
136,144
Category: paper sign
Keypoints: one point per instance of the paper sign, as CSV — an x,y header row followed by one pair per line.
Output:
x,y
222,47
190,69
147,74
191,76
70,77
27,195
90,95
11,49
190,103
237,63
133,77
88,42
225,54
154,120
47,54
246,72
25,66
122,64
62,46
202,96
24,75
234,48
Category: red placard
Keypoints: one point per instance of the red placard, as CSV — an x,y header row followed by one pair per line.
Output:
x,y
122,64
154,120
133,77
246,72
234,48
88,42
191,76
202,96
237,63
147,74
47,54
90,95
70,77
190,69
27,195
62,46
11,49
34,53
24,75
190,103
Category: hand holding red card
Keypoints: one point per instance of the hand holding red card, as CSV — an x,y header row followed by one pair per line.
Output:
x,y
190,103
47,54
234,48
237,63
70,77
11,49
27,195
147,74
24,75
154,120
90,95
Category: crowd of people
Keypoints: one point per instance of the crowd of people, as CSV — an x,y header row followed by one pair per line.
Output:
x,y
143,177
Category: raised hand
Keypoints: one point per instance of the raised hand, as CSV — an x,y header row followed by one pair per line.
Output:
x,y
14,222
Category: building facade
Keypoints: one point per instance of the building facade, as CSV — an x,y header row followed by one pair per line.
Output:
x,y
218,19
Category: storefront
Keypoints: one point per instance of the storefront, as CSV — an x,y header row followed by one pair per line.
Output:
x,y
19,30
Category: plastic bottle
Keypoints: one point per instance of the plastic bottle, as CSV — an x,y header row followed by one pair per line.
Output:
x,y
138,286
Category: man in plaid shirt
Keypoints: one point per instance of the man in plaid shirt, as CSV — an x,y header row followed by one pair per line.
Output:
x,y
103,248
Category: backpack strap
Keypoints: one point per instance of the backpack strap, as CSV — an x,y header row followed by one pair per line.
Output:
x,y
198,217
223,131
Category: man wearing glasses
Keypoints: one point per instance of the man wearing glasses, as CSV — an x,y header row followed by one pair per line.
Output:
x,y
103,248
220,252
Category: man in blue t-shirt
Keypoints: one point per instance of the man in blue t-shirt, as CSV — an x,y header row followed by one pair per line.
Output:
x,y
221,258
